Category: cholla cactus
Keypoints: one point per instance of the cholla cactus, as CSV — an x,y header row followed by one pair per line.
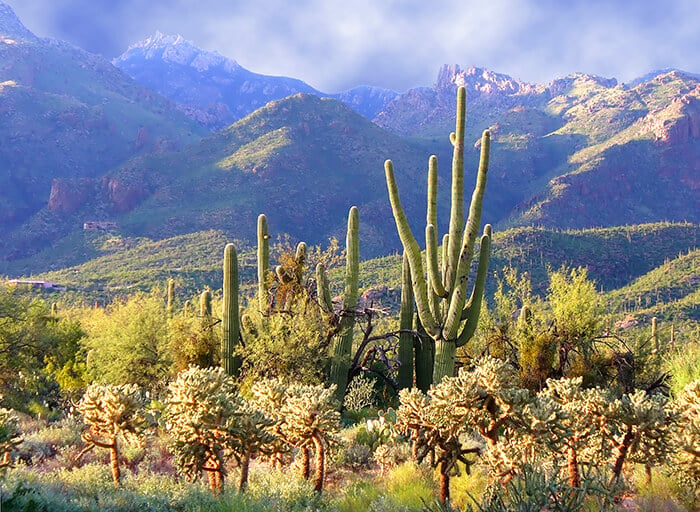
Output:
x,y
687,459
269,396
485,399
112,412
638,427
10,436
210,423
576,427
311,419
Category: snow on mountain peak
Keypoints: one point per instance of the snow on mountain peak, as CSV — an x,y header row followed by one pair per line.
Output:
x,y
177,50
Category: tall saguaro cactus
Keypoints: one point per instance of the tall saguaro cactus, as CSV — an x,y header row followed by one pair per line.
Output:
x,y
340,365
442,303
230,321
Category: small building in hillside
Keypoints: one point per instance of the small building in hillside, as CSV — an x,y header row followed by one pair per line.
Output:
x,y
33,283
99,225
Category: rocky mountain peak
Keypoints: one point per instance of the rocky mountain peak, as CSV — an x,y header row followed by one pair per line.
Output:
x,y
11,27
175,49
479,80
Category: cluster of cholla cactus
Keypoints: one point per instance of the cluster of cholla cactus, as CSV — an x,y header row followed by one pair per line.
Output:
x,y
112,413
448,316
304,417
563,426
210,423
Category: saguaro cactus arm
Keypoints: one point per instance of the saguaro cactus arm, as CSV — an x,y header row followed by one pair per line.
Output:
x,y
468,241
323,289
457,207
473,308
413,253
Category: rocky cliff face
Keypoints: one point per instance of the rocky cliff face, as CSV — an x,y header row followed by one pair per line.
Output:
x,y
679,122
68,195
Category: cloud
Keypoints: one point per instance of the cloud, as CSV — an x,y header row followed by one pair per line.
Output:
x,y
335,44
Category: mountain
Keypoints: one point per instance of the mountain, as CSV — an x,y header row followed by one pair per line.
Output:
x,y
303,161
579,152
69,116
216,91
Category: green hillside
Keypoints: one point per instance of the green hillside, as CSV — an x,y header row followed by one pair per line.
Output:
x,y
615,257
670,291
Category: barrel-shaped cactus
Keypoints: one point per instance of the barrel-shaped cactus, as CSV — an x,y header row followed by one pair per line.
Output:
x,y
446,313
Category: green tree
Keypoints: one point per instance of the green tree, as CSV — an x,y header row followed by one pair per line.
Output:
x,y
128,342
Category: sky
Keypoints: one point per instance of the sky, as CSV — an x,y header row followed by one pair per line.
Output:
x,y
337,44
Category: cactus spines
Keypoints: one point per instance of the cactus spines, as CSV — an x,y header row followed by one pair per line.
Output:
x,y
341,362
442,302
263,263
230,321
205,304
171,297
405,377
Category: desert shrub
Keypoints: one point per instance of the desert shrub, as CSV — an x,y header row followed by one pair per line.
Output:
x,y
683,365
127,343
193,340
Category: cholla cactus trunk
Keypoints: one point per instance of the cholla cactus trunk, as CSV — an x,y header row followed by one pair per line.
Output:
x,y
340,365
572,467
442,301
230,320
405,377
114,462
444,485
245,470
320,470
305,463
263,264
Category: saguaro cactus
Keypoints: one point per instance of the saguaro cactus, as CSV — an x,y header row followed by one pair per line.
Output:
x,y
230,321
171,297
442,301
405,377
342,349
263,264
